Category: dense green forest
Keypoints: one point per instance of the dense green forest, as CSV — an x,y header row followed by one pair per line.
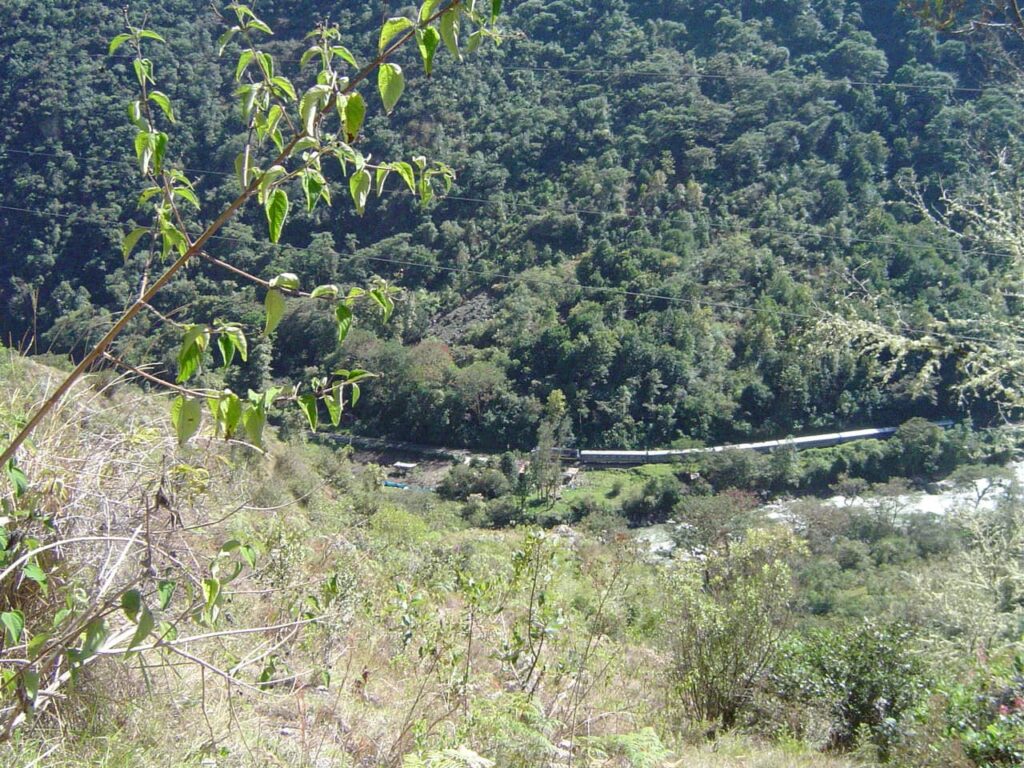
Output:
x,y
657,204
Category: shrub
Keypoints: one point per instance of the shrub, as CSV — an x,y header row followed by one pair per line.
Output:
x,y
736,469
868,677
989,719
923,449
463,481
851,555
656,502
725,622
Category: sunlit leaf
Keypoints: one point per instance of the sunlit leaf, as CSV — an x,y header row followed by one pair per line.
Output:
x,y
427,41
276,209
359,185
391,28
274,306
343,319
307,404
450,32
186,415
391,84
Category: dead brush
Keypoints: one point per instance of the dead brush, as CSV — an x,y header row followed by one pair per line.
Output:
x,y
112,548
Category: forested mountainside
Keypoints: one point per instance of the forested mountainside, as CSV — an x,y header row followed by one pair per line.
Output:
x,y
657,204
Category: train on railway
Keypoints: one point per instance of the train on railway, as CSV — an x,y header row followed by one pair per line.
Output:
x,y
668,455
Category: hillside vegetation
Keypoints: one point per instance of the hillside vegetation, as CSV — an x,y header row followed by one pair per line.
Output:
x,y
659,207
371,628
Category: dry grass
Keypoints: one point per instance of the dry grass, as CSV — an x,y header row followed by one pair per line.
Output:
x,y
737,752
413,661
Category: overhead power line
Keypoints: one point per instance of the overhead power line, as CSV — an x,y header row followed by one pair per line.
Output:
x,y
491,274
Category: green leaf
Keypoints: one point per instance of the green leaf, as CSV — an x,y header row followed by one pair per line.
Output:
x,y
135,114
307,404
343,318
186,415
248,554
244,60
117,42
61,616
143,150
391,28
17,478
167,631
146,33
321,291
131,604
284,86
164,591
172,238
148,194
274,305
30,681
355,112
359,185
276,209
159,150
383,300
211,591
391,84
286,281
227,411
162,101
131,240
187,194
450,32
193,344
37,643
345,54
95,634
227,348
312,187
355,394
474,41
272,174
495,10
224,39
405,170
382,175
35,572
14,624
309,104
308,55
333,402
142,631
257,24
236,336
254,419
143,71
427,9
243,168
427,40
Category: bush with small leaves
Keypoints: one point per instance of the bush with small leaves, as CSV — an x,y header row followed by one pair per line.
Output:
x,y
868,677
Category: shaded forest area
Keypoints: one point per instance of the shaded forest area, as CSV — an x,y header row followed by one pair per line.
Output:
x,y
657,203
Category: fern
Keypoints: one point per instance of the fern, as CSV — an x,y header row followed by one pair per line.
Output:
x,y
642,749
